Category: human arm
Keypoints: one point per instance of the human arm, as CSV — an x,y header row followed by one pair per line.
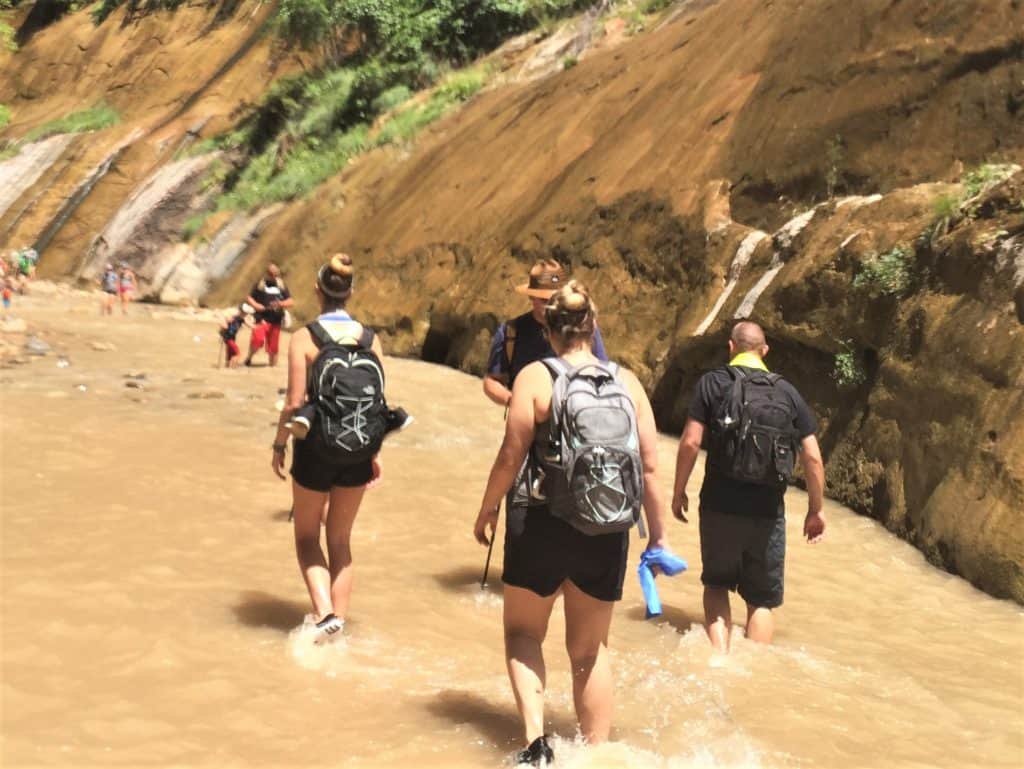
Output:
x,y
519,431
295,396
284,302
654,501
686,457
496,378
254,304
495,388
814,475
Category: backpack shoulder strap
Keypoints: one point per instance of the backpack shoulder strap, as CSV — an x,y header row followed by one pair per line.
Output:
x,y
319,334
366,338
511,332
556,367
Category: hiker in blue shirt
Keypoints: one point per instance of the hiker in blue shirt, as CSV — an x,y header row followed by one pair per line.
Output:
x,y
522,340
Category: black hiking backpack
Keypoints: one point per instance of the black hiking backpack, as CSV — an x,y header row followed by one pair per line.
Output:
x,y
594,474
346,386
752,436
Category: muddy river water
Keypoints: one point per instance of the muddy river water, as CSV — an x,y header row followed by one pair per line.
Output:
x,y
151,603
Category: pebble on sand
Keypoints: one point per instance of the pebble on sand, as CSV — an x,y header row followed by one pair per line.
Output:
x,y
206,394
36,346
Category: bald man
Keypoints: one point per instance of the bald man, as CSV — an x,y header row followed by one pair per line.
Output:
x,y
742,511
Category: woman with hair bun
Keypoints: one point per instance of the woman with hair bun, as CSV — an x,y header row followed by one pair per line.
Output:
x,y
321,476
547,554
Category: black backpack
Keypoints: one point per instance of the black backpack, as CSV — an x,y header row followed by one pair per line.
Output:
x,y
346,386
752,435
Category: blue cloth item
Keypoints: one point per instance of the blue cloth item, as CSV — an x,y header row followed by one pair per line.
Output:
x,y
668,563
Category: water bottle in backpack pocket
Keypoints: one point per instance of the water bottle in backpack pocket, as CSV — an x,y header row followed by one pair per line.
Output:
x,y
346,388
752,436
594,473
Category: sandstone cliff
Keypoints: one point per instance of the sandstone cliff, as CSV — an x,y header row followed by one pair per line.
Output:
x,y
808,165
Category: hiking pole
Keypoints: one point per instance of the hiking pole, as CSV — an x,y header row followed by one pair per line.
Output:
x,y
490,547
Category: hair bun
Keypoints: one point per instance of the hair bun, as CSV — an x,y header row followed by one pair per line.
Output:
x,y
341,264
576,301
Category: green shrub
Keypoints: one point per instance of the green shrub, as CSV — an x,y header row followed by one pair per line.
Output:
x,y
269,179
569,62
886,274
193,224
985,177
391,98
7,36
846,370
5,116
654,6
92,119
945,206
457,87
328,98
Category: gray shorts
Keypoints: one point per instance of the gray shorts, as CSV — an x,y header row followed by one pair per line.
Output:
x,y
744,553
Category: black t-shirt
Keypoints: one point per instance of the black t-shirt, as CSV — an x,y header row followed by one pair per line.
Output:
x,y
530,345
265,292
725,495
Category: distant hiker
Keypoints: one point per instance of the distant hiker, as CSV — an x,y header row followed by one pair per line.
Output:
x,y
126,287
229,328
270,298
7,292
334,362
26,268
109,282
575,539
521,341
753,423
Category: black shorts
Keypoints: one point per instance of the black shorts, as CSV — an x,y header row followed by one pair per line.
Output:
x,y
745,553
311,471
542,551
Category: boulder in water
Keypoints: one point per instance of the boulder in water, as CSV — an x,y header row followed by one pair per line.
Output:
x,y
36,346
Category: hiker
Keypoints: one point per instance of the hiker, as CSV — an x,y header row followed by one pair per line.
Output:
x,y
126,286
229,328
7,292
109,282
270,298
340,359
26,268
521,341
753,424
556,545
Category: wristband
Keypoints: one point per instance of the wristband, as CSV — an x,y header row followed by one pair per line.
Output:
x,y
279,448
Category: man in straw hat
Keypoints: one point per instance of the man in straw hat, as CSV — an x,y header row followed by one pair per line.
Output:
x,y
520,341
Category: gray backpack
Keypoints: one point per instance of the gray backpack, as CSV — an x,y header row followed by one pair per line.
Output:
x,y
594,474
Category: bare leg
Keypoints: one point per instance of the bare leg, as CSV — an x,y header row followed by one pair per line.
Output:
x,y
273,359
526,616
344,504
717,617
308,506
587,621
760,624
